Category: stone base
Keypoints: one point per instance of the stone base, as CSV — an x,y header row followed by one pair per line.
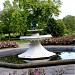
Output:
x,y
36,52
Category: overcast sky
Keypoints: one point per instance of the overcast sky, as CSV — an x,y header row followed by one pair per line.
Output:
x,y
67,8
1,6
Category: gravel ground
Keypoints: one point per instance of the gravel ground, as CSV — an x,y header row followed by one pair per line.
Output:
x,y
54,70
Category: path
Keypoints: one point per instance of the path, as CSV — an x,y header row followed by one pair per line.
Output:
x,y
23,47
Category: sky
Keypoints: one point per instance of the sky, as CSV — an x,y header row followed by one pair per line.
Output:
x,y
67,8
1,5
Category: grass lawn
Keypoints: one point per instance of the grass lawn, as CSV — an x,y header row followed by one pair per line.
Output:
x,y
4,37
19,41
22,41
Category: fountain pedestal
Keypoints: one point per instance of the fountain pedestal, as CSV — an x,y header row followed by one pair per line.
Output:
x,y
36,52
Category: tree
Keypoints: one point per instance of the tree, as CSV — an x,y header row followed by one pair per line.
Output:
x,y
69,23
13,19
1,29
19,21
6,19
55,27
7,4
61,27
42,10
18,18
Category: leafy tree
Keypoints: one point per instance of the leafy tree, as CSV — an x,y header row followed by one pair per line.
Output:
x,y
19,21
1,29
13,19
6,19
61,27
7,4
51,25
69,23
42,10
18,18
55,27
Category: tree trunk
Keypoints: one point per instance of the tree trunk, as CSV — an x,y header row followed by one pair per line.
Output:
x,y
24,33
1,36
9,36
20,34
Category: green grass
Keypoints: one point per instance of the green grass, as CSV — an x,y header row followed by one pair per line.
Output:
x,y
22,41
3,38
19,41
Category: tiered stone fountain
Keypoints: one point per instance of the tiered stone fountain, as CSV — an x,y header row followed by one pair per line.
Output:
x,y
36,52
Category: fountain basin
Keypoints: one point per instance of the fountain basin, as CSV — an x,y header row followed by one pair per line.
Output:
x,y
35,38
36,53
15,59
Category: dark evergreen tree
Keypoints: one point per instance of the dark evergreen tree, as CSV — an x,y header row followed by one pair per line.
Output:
x,y
54,28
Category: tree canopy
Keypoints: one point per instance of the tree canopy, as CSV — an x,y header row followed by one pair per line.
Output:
x,y
69,22
19,16
55,27
40,11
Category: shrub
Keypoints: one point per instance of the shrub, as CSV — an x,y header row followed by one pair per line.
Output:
x,y
68,40
9,44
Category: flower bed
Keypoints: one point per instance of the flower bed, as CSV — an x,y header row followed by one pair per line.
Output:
x,y
68,40
9,44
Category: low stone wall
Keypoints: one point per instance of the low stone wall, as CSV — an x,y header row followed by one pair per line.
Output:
x,y
61,48
40,64
58,67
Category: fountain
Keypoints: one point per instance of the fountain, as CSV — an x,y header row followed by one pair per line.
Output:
x,y
36,52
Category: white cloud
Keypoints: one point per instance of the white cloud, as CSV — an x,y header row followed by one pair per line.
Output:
x,y
68,8
1,4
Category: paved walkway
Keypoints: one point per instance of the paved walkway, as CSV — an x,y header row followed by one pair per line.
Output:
x,y
26,45
11,51
23,47
54,70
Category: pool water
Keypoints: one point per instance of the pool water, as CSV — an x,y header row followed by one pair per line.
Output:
x,y
59,56
12,59
67,55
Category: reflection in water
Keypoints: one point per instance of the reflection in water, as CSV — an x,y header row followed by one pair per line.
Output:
x,y
12,59
63,56
67,55
58,56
